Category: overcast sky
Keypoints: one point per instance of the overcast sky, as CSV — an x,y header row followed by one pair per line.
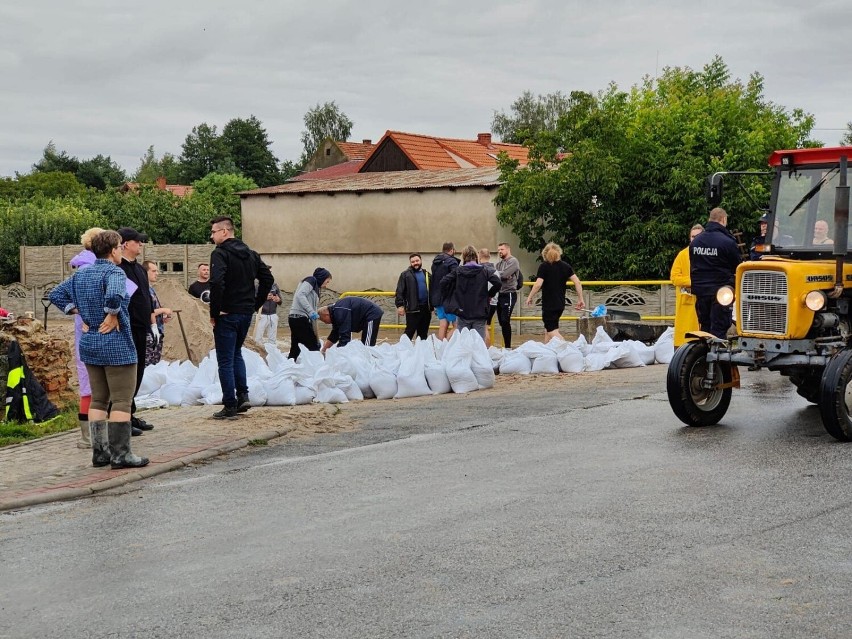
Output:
x,y
113,77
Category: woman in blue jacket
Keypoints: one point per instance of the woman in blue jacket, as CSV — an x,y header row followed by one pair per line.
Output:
x,y
99,295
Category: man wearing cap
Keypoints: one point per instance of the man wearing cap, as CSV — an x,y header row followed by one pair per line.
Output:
x,y
758,240
140,309
234,267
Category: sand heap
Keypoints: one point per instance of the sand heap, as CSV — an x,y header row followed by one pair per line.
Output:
x,y
50,358
195,316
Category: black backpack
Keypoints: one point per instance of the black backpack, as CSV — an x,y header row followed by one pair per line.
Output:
x,y
520,280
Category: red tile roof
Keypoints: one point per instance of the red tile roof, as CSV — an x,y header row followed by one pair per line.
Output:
x,y
388,181
178,190
355,150
428,152
338,170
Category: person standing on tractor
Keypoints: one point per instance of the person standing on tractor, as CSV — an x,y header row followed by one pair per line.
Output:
x,y
713,260
685,318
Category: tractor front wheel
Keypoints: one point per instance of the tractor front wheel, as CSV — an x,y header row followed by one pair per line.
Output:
x,y
694,404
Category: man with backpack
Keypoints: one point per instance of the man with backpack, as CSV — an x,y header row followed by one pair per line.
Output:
x,y
511,281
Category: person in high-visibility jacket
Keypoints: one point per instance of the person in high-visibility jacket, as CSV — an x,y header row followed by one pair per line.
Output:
x,y
686,319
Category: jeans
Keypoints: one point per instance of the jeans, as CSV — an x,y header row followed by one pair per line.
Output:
x,y
228,336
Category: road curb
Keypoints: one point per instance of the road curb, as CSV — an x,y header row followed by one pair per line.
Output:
x,y
152,470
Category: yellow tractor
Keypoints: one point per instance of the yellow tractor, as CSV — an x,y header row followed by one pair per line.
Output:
x,y
793,309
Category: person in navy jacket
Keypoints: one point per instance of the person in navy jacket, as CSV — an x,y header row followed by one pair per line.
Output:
x,y
713,260
348,315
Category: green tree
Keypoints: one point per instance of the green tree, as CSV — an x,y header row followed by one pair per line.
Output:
x,y
100,172
56,161
321,122
846,140
202,153
289,169
529,115
53,184
247,145
219,191
620,180
36,222
151,167
166,218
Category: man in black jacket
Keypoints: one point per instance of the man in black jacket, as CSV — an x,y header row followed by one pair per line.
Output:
x,y
444,263
412,298
348,315
140,310
713,261
234,267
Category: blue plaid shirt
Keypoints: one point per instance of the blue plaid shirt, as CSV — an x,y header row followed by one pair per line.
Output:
x,y
96,291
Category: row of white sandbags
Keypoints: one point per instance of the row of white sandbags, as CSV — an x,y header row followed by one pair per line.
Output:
x,y
428,367
580,356
405,369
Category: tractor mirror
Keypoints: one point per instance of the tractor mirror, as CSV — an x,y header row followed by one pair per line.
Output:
x,y
713,192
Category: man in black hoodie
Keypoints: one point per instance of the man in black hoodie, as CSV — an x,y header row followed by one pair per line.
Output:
x,y
140,310
234,267
713,261
443,264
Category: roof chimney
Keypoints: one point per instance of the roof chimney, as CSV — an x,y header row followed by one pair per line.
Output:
x,y
366,141
161,182
484,139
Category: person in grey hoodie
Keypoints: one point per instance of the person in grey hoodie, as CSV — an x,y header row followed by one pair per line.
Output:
x,y
303,312
466,292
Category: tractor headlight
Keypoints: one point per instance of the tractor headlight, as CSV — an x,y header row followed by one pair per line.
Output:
x,y
725,296
816,300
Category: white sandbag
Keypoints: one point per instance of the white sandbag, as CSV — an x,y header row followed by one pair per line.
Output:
x,y
382,382
207,372
350,388
191,396
172,393
545,363
480,364
570,359
256,391
664,347
255,366
304,394
330,395
582,345
602,342
457,361
515,363
153,378
645,352
437,378
212,394
595,361
624,356
275,359
496,354
310,359
280,390
411,377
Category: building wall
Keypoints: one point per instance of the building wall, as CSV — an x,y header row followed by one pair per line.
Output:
x,y
327,155
365,240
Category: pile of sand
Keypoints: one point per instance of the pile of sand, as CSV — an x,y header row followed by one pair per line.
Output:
x,y
195,316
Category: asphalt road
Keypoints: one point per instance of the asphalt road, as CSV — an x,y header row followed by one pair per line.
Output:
x,y
566,511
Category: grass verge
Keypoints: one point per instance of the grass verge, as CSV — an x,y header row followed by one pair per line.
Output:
x,y
13,433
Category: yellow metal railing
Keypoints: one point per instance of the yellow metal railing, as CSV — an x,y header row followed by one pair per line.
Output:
x,y
536,318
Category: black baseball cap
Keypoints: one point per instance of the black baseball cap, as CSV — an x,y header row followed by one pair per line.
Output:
x,y
130,234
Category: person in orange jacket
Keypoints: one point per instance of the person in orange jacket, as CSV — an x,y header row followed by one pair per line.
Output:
x,y
686,319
